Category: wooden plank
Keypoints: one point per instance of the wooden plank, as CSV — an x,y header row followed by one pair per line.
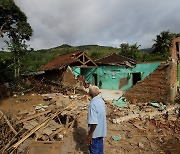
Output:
x,y
15,146
57,131
10,126
67,121
1,114
12,140
83,59
87,61
80,55
91,60
33,116
85,66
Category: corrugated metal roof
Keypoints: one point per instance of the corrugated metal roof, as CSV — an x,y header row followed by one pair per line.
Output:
x,y
115,59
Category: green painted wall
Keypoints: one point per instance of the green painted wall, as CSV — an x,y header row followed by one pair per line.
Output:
x,y
76,71
108,76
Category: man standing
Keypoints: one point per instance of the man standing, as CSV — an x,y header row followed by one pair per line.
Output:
x,y
97,127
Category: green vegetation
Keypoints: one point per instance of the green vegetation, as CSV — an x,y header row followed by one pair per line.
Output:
x,y
14,25
33,60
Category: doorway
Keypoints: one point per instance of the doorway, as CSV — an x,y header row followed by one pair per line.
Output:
x,y
94,79
136,77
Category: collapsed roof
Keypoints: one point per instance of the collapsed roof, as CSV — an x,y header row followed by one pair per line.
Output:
x,y
115,59
154,88
78,59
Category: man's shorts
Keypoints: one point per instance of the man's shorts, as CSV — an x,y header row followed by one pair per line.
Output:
x,y
96,146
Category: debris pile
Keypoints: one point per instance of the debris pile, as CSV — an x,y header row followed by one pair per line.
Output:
x,y
143,127
45,123
127,111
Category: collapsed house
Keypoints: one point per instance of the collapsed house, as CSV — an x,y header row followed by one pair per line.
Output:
x,y
161,85
116,72
60,70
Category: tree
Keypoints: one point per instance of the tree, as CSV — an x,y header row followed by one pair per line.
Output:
x,y
163,43
13,23
131,51
5,71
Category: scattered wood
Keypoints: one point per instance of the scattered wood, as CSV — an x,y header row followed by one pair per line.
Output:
x,y
43,124
9,124
67,121
33,116
50,125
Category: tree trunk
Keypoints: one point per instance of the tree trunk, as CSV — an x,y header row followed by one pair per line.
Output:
x,y
15,71
18,67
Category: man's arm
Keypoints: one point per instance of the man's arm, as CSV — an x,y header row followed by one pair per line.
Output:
x,y
89,137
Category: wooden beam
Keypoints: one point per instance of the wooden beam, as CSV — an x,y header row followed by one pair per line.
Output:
x,y
90,59
15,146
10,126
80,61
1,114
80,55
58,131
8,122
70,127
33,116
85,66
83,59
87,61
67,121
12,140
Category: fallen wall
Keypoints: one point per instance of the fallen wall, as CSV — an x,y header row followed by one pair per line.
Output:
x,y
153,88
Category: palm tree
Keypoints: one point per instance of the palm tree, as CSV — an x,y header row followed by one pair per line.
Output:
x,y
163,43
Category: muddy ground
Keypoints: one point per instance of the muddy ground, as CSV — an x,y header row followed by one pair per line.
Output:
x,y
160,134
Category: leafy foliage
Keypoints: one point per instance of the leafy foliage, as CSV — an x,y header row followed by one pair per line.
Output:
x,y
131,51
35,59
13,23
163,43
6,70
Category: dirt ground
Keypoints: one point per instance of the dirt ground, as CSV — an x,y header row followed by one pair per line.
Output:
x,y
138,135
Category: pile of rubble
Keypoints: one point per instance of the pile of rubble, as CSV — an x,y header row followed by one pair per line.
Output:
x,y
127,111
151,127
47,123
53,121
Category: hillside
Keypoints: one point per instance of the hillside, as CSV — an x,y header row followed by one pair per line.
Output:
x,y
33,60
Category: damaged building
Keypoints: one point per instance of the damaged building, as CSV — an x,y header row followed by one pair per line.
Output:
x,y
116,72
60,70
162,84
153,81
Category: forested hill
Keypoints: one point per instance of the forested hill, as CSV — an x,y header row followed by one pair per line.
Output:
x,y
33,60
94,51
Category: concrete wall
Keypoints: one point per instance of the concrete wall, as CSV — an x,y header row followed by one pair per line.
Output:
x,y
117,77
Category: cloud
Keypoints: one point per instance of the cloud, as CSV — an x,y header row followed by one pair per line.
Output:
x,y
103,22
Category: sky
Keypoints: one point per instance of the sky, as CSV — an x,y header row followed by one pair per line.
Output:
x,y
102,22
